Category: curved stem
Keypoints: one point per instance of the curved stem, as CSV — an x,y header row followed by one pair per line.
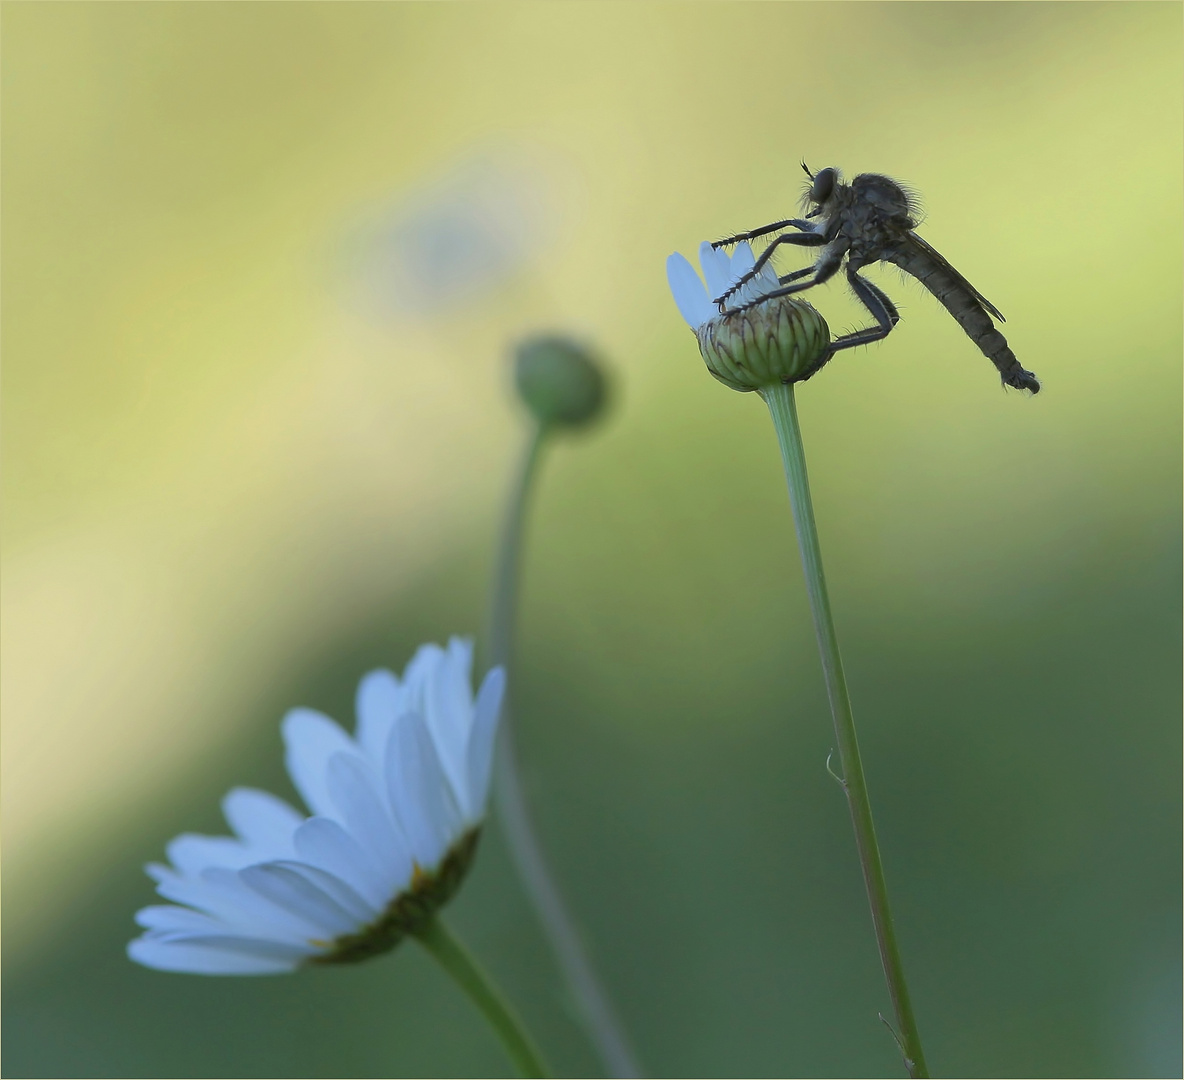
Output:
x,y
459,963
603,1027
783,408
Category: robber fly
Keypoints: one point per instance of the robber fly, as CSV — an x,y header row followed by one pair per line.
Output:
x,y
873,219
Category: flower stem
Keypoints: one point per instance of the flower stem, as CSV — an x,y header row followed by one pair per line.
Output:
x,y
600,1021
783,408
454,958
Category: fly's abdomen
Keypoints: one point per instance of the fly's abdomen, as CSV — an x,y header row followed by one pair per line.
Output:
x,y
961,300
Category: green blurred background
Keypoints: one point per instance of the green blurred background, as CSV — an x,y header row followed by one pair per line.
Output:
x,y
262,264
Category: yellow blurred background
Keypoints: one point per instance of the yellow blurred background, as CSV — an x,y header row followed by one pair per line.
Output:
x,y
262,264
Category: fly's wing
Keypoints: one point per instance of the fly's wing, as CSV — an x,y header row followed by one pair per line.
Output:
x,y
940,260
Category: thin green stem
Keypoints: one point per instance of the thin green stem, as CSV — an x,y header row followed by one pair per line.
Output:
x,y
504,605
783,408
454,958
600,1021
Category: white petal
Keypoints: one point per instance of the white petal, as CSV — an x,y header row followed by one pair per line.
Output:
x,y
717,265
203,959
766,280
366,816
338,890
418,674
158,872
687,289
295,892
311,739
264,821
743,260
377,705
481,743
220,893
240,943
419,792
426,657
171,917
191,853
254,912
448,711
326,844
763,283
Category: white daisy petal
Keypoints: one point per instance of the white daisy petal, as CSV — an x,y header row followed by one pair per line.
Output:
x,y
203,959
191,853
359,909
377,704
296,893
423,669
694,305
246,907
219,893
171,917
743,260
264,821
242,944
767,279
322,842
366,817
311,739
419,791
160,873
717,265
448,710
481,743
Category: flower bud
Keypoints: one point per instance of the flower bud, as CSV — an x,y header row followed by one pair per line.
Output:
x,y
782,340
559,380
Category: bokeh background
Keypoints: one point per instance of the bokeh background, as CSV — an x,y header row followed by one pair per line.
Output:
x,y
262,266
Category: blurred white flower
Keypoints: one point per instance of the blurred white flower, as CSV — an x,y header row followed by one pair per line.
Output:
x,y
397,809
453,238
721,270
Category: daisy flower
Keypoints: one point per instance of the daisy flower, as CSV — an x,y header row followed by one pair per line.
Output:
x,y
396,812
775,340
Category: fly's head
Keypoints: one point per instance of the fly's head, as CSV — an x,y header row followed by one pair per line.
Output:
x,y
823,191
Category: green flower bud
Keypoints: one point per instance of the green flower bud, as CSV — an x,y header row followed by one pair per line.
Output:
x,y
782,340
559,380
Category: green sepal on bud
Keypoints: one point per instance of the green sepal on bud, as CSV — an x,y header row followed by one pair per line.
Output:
x,y
782,340
559,380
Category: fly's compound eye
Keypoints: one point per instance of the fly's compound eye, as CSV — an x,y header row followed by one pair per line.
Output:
x,y
824,184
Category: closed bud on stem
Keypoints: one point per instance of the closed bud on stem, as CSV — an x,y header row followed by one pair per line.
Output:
x,y
558,379
763,340
782,340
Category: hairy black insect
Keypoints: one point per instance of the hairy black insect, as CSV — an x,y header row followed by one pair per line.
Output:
x,y
873,219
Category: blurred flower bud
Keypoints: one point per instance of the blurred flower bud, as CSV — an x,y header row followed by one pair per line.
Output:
x,y
559,381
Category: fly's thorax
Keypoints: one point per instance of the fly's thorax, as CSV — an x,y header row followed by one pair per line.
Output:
x,y
888,197
781,340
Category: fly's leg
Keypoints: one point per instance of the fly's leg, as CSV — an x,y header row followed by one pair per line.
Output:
x,y
821,271
764,230
882,296
810,239
882,310
797,275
